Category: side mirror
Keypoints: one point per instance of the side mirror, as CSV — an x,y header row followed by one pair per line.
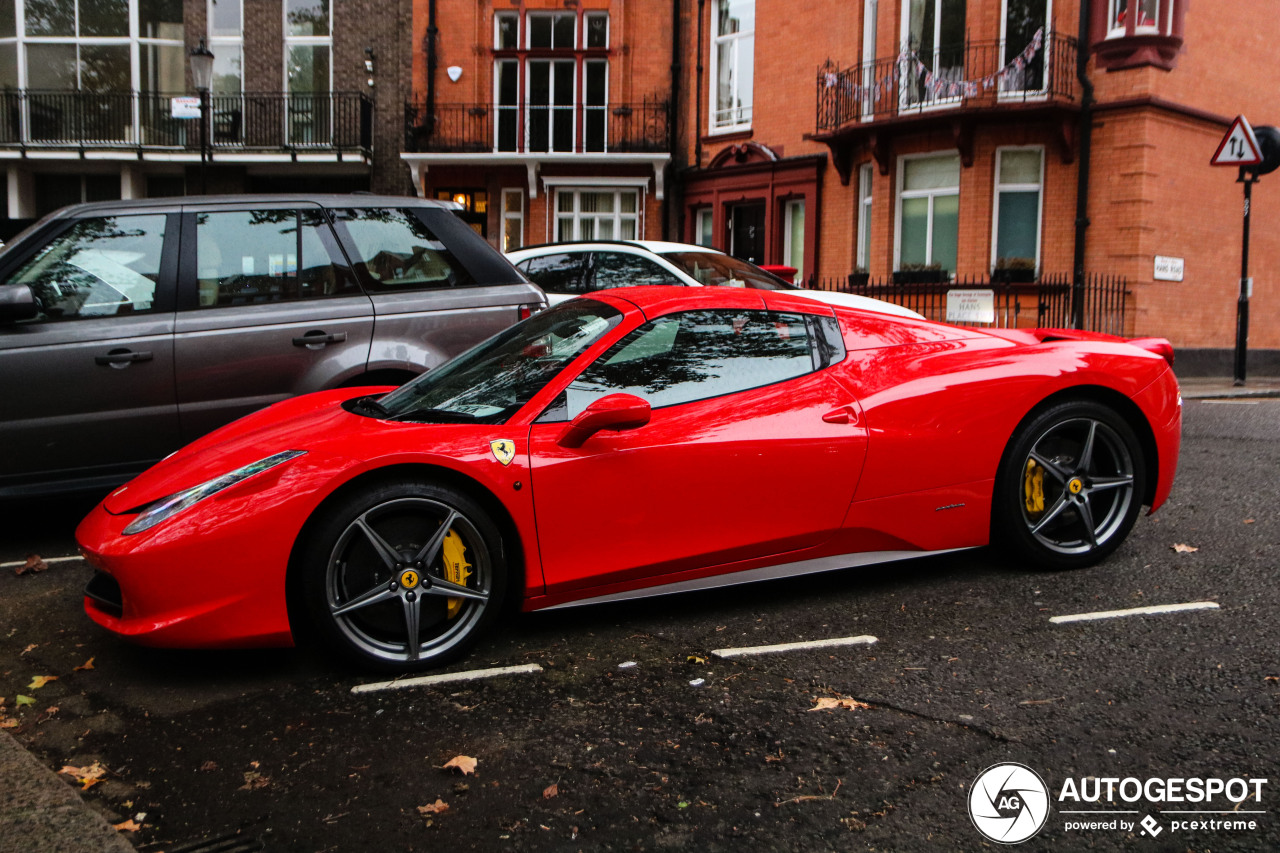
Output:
x,y
616,412
17,302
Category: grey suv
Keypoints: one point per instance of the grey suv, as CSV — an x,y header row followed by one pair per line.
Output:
x,y
130,328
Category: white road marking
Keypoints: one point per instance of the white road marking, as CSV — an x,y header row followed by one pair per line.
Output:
x,y
1232,402
864,640
446,678
1135,611
13,563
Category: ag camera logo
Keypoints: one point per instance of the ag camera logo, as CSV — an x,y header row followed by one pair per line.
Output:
x,y
1008,803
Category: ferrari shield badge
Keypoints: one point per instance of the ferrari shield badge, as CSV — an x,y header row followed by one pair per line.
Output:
x,y
504,450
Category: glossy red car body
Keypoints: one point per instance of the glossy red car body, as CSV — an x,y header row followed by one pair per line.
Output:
x,y
890,453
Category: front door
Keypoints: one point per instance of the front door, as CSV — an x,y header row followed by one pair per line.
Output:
x,y
746,232
709,480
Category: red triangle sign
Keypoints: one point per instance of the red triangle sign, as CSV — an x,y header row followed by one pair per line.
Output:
x,y
1239,147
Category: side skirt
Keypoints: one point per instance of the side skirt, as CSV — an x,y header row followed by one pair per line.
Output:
x,y
783,570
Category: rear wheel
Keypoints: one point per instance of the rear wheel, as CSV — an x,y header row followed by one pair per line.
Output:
x,y
1069,488
404,576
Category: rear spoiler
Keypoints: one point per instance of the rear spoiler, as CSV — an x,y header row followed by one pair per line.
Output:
x,y
1155,346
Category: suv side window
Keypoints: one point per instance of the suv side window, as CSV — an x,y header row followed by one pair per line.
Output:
x,y
399,252
251,256
100,267
623,269
557,273
697,355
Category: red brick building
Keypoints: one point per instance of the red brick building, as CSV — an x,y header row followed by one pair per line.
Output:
x,y
547,120
890,135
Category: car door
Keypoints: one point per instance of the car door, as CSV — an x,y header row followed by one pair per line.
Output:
x,y
269,308
741,457
88,384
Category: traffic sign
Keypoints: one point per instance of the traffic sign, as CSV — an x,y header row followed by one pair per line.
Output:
x,y
1239,147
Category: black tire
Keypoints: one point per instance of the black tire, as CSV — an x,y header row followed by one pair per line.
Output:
x,y
1069,487
374,575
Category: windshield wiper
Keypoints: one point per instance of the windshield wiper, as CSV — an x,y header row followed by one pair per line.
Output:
x,y
435,416
370,404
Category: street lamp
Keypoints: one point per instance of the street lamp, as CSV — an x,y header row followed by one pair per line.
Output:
x,y
202,76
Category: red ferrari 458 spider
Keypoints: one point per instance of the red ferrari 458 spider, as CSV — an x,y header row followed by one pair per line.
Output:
x,y
639,441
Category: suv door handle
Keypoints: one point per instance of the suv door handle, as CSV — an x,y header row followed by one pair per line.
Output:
x,y
121,357
842,415
313,338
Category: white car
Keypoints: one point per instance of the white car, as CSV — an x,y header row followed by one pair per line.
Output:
x,y
566,270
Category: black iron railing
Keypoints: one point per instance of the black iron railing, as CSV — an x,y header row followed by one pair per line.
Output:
x,y
253,120
642,127
1045,302
972,75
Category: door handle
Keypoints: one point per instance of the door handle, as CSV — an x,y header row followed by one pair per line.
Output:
x,y
842,415
121,357
311,339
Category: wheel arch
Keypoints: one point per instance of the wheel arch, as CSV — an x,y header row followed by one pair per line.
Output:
x,y
1118,402
513,553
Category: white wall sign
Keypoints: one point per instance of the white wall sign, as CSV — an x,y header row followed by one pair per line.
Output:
x,y
1168,269
184,107
971,306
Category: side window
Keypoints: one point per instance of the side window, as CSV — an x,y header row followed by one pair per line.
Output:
x,y
100,267
697,355
251,256
557,273
623,269
399,252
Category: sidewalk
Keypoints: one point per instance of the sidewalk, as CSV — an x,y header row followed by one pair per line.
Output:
x,y
1221,387
40,813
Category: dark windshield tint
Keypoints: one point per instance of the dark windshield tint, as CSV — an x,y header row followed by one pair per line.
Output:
x,y
712,268
489,383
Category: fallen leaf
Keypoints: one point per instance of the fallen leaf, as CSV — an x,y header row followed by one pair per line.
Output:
x,y
86,665
465,763
209,765
6,723
129,825
86,776
28,648
40,681
551,790
31,566
696,659
438,807
1249,521
23,700
1185,549
1273,678
829,703
683,804
254,780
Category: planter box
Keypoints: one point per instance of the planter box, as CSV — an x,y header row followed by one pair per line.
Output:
x,y
921,276
1013,276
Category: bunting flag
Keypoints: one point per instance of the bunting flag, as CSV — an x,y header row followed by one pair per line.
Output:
x,y
936,85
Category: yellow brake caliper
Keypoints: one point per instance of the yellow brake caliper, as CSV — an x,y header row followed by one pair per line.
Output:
x,y
456,567
1033,488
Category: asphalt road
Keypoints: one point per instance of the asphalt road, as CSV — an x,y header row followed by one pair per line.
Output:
x,y
685,749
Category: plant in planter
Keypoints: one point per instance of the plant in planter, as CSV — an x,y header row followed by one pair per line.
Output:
x,y
859,277
1014,270
920,274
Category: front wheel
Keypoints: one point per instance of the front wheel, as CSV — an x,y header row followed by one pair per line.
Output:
x,y
404,576
1069,487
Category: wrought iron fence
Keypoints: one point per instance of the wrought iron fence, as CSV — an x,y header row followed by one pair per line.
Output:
x,y
253,120
975,74
1044,303
492,128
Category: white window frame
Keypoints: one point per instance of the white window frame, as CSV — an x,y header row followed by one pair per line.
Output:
x,y
999,188
870,17
511,220
291,42
908,92
583,186
608,34
932,194
1045,51
865,188
737,40
1163,19
528,29
225,41
497,31
707,215
789,208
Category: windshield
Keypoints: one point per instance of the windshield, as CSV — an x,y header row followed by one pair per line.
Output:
x,y
490,382
714,268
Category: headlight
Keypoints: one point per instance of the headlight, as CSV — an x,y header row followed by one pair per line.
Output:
x,y
170,506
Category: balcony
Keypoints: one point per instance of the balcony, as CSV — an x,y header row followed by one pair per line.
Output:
x,y
260,123
642,128
987,81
